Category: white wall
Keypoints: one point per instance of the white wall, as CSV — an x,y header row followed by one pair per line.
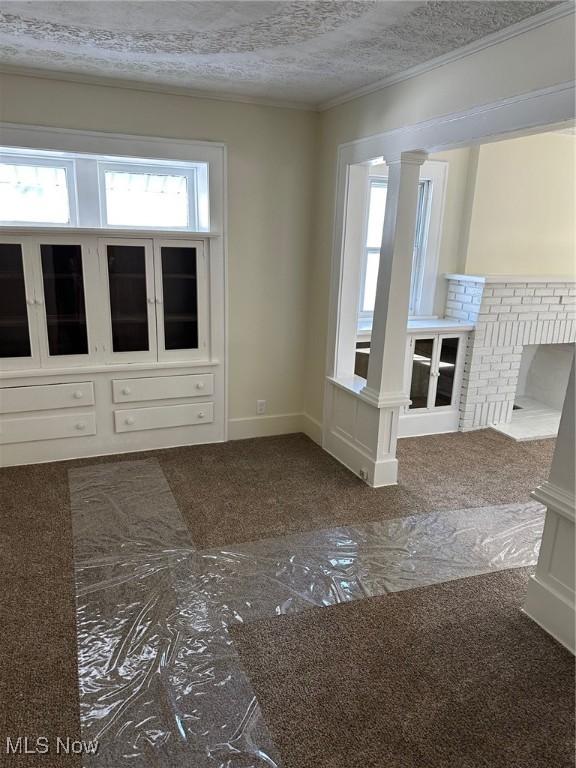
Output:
x,y
271,174
537,59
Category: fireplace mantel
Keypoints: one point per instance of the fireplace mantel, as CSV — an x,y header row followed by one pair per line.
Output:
x,y
512,278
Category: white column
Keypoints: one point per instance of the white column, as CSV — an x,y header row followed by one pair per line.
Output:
x,y
550,599
385,384
361,422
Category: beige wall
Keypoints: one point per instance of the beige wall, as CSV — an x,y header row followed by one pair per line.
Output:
x,y
523,214
536,59
271,180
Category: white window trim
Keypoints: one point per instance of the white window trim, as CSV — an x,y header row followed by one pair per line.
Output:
x,y
436,172
188,171
83,149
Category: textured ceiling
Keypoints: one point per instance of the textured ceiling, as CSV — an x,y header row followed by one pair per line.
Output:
x,y
298,51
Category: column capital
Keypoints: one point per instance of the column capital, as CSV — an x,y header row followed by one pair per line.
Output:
x,y
407,158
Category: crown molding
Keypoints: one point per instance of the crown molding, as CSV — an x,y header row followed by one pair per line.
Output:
x,y
159,88
521,27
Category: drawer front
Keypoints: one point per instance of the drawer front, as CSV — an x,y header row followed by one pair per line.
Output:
x,y
26,430
163,416
46,397
162,387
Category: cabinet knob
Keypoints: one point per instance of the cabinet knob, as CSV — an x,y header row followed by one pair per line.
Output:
x,y
78,395
126,391
129,420
30,302
200,385
201,415
39,301
150,300
158,300
80,426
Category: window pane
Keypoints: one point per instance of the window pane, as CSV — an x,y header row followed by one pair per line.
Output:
x,y
146,199
64,297
14,335
370,280
33,193
180,298
376,214
421,367
446,370
128,300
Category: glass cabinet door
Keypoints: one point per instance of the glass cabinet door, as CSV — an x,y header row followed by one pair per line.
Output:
x,y
445,371
129,268
17,347
422,360
64,300
180,300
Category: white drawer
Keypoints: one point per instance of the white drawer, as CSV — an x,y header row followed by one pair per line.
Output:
x,y
46,397
25,430
163,416
162,387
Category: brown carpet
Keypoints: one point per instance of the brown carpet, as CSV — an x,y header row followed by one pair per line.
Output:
x,y
228,493
446,676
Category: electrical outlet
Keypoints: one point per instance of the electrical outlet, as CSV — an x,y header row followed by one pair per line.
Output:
x,y
260,407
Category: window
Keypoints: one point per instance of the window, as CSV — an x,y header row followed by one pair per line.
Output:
x,y
148,195
33,191
371,256
112,192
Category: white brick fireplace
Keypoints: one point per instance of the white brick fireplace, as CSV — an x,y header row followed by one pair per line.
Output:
x,y
508,312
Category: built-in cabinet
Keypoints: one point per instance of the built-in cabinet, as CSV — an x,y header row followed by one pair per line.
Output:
x,y
88,323
433,376
71,301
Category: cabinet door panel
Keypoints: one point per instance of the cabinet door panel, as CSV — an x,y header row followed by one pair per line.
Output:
x,y
447,359
15,326
181,296
422,357
129,279
65,306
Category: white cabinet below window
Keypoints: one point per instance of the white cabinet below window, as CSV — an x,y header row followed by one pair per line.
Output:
x,y
433,376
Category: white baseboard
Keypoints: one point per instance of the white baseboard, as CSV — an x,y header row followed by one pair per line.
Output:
x,y
276,424
312,427
551,611
264,426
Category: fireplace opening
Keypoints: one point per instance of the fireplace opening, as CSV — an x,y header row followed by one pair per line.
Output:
x,y
540,391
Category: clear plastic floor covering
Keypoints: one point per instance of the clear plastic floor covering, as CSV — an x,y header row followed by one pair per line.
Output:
x,y
160,683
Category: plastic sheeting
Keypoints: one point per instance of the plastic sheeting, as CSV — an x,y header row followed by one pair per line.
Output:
x,y
160,683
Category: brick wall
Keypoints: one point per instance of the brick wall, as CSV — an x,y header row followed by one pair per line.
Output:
x,y
507,316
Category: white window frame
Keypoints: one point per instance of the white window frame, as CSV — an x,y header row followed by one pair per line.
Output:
x,y
85,179
190,173
423,287
46,161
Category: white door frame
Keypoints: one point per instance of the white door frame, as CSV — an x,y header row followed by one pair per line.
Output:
x,y
526,113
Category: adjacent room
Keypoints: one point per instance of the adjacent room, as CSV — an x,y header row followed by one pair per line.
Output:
x,y
287,384
494,250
